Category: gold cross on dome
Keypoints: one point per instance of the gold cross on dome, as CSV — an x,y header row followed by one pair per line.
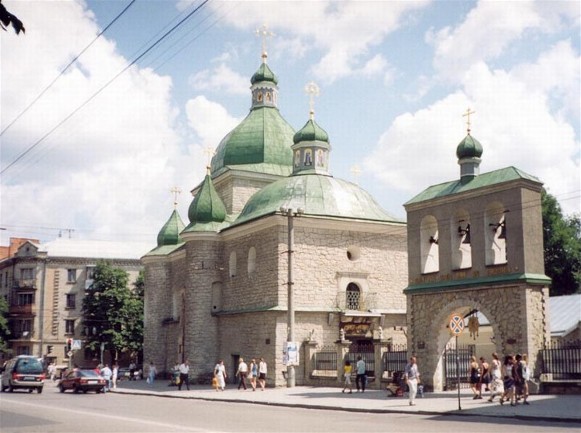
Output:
x,y
467,115
264,33
312,90
175,191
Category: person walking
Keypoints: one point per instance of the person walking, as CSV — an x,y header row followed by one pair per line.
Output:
x,y
484,376
184,370
107,373
412,378
220,374
347,369
51,370
521,377
360,379
508,375
496,383
474,377
152,372
132,368
262,369
115,375
242,372
253,373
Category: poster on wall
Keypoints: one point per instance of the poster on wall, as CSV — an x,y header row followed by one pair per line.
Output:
x,y
290,353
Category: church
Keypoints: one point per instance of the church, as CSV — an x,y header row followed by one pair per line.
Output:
x,y
270,229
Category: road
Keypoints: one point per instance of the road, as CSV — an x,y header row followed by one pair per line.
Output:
x,y
52,411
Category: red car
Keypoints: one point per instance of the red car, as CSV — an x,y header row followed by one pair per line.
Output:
x,y
82,380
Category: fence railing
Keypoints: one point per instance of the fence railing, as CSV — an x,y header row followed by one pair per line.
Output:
x,y
561,360
325,360
452,374
395,359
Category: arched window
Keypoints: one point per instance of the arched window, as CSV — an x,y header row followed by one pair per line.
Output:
x,y
429,249
233,264
353,294
251,260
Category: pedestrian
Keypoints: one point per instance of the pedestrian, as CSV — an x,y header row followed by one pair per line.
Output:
x,y
107,373
522,376
484,376
220,374
115,375
412,378
242,372
361,378
262,370
474,377
347,369
51,370
508,372
496,383
132,368
152,373
184,370
253,373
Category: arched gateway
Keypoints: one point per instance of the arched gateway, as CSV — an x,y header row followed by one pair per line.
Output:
x,y
486,235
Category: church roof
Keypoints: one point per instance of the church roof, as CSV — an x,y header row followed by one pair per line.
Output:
x,y
317,195
311,132
207,207
170,232
496,177
264,73
469,147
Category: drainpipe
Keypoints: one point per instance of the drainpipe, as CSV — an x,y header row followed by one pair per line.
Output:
x,y
41,305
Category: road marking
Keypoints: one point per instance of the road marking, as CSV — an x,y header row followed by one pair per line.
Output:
x,y
173,427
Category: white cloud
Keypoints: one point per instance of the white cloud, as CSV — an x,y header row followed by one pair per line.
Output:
x,y
221,78
209,120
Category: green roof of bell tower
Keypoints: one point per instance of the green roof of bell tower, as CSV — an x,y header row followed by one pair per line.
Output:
x,y
170,232
206,209
264,73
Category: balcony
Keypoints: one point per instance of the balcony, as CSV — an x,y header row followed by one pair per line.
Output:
x,y
22,335
21,310
29,283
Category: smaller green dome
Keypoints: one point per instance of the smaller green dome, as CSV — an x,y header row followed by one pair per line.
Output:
x,y
170,232
469,148
264,74
207,205
311,132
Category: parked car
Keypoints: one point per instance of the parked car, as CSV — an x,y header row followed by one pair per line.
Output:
x,y
125,373
82,380
23,372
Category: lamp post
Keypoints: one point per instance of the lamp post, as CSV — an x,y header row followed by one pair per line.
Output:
x,y
290,369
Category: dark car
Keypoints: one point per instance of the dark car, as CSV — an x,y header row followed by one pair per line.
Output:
x,y
82,380
125,373
23,372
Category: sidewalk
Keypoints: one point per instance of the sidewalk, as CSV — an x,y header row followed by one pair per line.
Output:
x,y
557,408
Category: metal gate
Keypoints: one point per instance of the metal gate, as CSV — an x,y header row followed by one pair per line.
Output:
x,y
451,373
363,348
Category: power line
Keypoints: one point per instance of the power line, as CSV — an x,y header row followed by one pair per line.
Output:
x,y
65,69
94,95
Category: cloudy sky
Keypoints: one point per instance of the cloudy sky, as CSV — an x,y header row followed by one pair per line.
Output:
x,y
99,151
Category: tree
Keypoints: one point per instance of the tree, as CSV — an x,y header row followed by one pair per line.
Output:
x,y
4,330
562,247
112,312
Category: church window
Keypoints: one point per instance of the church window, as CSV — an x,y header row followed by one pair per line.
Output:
x,y
353,294
353,253
495,228
259,97
251,260
233,264
461,241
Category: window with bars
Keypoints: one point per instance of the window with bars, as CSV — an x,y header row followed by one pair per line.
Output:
x,y
353,295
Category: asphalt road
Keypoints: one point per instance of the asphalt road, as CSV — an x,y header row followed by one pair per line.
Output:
x,y
52,411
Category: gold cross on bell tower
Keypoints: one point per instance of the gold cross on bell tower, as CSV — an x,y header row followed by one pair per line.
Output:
x,y
175,191
312,90
467,116
209,152
264,33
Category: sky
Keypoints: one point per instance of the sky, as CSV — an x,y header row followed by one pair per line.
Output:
x,y
96,153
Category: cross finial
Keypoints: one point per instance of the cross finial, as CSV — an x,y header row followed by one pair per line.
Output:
x,y
209,152
355,172
175,191
312,90
264,33
467,115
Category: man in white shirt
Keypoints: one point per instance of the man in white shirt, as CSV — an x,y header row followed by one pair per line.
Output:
x,y
242,373
184,370
106,373
360,379
412,377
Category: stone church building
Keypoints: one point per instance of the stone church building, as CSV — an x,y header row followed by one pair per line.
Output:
x,y
217,288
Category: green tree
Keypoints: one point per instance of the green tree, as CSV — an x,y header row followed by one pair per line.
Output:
x,y
113,313
4,330
562,247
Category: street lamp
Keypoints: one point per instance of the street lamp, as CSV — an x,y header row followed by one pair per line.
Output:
x,y
290,368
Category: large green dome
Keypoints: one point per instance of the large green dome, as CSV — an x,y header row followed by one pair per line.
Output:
x,y
316,195
262,142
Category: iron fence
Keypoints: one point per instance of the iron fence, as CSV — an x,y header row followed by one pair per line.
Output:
x,y
395,359
452,373
562,360
325,359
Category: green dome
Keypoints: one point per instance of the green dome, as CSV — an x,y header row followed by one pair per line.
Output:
x,y
317,195
311,132
469,148
264,74
263,139
207,205
170,232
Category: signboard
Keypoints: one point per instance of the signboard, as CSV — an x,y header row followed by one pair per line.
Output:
x,y
290,354
456,324
76,344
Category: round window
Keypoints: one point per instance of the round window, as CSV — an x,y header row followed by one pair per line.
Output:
x,y
353,253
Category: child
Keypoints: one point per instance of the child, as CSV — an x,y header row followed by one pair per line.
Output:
x,y
347,374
